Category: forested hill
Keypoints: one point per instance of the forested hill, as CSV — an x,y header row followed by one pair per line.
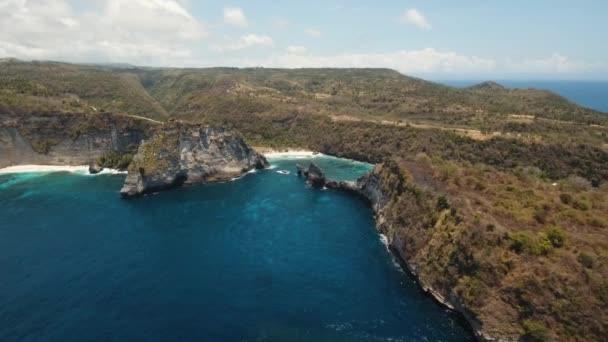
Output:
x,y
360,93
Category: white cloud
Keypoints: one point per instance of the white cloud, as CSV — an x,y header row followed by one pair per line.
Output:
x,y
556,63
313,32
295,49
135,31
165,33
235,16
412,62
414,17
247,41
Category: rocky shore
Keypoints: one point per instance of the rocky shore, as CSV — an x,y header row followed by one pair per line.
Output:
x,y
373,189
185,154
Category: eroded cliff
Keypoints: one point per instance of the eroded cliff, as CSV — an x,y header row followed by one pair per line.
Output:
x,y
68,138
184,153
420,228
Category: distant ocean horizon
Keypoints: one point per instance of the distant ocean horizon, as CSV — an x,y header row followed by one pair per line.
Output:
x,y
590,94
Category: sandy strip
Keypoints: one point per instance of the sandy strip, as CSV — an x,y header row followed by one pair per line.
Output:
x,y
291,154
53,168
43,168
270,153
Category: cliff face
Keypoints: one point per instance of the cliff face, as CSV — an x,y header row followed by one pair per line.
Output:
x,y
68,139
185,153
168,154
414,233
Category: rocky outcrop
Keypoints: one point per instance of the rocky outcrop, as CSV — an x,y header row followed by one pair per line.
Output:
x,y
315,176
94,168
379,188
368,187
184,153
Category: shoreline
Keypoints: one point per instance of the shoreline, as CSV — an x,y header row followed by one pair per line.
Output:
x,y
81,169
286,153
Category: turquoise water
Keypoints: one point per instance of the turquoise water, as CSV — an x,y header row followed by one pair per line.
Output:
x,y
261,258
590,94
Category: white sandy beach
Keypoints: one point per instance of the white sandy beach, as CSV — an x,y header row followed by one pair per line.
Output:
x,y
43,168
289,153
52,168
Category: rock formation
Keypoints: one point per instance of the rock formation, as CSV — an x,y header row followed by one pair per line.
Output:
x,y
367,186
315,177
94,168
183,153
69,138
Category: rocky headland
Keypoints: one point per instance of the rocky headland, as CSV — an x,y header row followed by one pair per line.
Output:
x,y
157,155
382,188
184,153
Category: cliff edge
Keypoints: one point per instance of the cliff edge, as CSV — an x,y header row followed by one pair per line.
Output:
x,y
183,153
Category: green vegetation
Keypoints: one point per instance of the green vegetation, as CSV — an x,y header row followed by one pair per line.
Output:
x,y
535,245
498,198
155,155
45,86
115,160
535,331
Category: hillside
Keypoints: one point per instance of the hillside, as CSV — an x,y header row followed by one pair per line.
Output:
x,y
497,196
40,85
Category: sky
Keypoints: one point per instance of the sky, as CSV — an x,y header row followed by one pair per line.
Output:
x,y
465,39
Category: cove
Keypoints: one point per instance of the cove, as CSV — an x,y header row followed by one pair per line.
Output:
x,y
261,258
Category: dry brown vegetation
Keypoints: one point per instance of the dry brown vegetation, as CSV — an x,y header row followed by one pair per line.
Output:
x,y
499,196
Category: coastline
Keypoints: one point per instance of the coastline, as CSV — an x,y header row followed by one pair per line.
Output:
x,y
81,169
286,153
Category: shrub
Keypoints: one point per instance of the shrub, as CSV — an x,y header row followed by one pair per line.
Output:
x,y
540,215
580,205
115,160
442,203
566,198
556,236
535,331
586,260
526,242
541,245
520,241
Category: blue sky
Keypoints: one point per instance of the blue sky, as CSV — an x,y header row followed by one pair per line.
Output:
x,y
540,39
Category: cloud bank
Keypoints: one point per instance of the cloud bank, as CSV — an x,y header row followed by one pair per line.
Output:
x,y
166,33
414,17
155,31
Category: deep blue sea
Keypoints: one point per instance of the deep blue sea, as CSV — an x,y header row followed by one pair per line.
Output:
x,y
262,258
590,94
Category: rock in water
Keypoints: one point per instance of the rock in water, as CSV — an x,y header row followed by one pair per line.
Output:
x,y
94,168
183,153
315,176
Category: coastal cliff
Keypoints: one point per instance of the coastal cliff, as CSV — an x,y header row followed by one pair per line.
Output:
x,y
413,233
68,138
184,153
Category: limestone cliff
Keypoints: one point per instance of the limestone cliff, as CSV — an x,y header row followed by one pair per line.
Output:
x,y
410,224
184,153
68,138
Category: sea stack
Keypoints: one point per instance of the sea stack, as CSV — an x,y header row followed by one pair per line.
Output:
x,y
315,176
183,153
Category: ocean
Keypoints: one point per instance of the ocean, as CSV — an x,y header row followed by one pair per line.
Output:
x,y
261,258
590,94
